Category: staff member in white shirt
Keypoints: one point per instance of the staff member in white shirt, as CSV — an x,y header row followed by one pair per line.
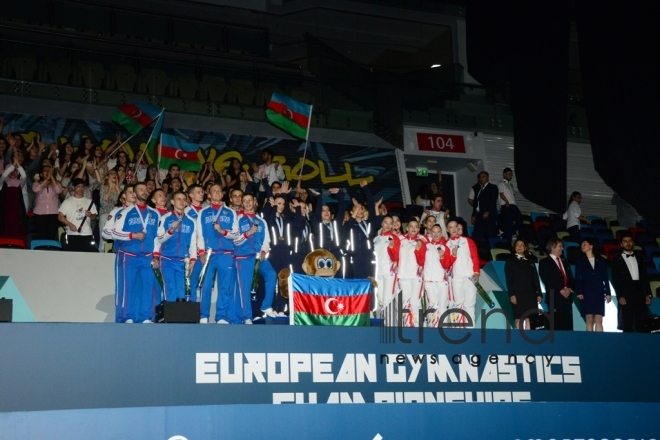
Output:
x,y
511,217
573,216
74,212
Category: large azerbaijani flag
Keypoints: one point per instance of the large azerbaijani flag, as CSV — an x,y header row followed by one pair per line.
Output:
x,y
290,115
183,154
329,301
134,117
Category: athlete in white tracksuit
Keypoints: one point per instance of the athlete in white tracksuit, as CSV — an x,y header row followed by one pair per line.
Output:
x,y
386,249
436,281
466,266
412,251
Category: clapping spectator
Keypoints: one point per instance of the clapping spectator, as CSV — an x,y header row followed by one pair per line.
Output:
x,y
108,198
13,199
46,203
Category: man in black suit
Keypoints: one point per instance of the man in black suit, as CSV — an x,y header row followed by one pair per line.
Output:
x,y
483,198
631,283
556,274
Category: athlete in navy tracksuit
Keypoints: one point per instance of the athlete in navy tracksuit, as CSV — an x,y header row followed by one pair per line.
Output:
x,y
218,225
137,226
126,199
326,234
359,233
177,240
253,240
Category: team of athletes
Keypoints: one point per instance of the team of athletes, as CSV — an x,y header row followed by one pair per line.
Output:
x,y
202,233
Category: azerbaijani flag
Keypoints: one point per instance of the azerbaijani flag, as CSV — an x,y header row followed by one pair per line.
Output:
x,y
329,301
290,115
134,117
183,154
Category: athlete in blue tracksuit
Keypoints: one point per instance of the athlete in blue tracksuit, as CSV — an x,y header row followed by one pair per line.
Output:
x,y
218,225
359,232
126,199
137,227
177,240
253,241
196,195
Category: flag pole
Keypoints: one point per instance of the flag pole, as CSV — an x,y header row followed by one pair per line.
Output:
x,y
137,162
118,147
160,150
309,124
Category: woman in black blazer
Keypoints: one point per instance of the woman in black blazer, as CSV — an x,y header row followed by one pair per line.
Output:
x,y
523,282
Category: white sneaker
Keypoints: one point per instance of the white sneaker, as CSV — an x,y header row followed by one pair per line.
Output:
x,y
128,321
280,314
269,313
222,321
147,321
248,321
204,321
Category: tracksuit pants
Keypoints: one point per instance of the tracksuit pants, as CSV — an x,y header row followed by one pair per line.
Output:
x,y
221,264
411,295
141,288
437,299
464,294
173,270
241,300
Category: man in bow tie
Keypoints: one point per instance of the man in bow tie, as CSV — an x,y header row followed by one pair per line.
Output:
x,y
631,283
555,272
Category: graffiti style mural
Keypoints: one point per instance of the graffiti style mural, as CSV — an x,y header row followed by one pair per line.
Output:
x,y
325,165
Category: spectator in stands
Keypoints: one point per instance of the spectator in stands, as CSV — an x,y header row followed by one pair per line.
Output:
x,y
269,170
122,160
4,146
64,159
108,197
231,177
573,216
151,186
85,148
97,162
77,213
13,200
46,204
207,174
173,171
112,155
91,179
558,279
631,283
592,285
440,213
175,185
435,188
121,176
626,215
484,207
511,217
154,175
421,195
522,281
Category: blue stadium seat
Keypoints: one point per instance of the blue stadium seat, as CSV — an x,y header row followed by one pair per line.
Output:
x,y
535,215
567,245
46,245
652,252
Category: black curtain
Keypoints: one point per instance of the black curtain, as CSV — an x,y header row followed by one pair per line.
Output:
x,y
618,46
525,44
